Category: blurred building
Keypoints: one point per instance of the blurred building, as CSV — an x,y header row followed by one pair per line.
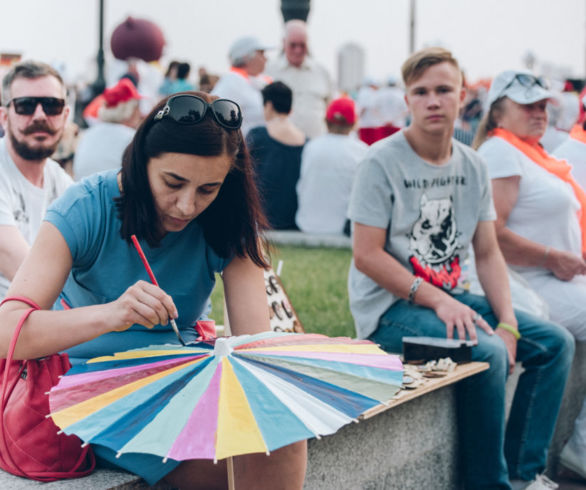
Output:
x,y
351,60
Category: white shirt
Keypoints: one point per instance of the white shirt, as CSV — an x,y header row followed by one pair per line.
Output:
x,y
574,152
101,148
552,138
392,107
312,90
245,91
546,208
23,204
545,212
367,106
328,167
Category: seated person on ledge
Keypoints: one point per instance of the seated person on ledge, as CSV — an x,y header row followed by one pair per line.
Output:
x,y
186,191
419,199
328,167
276,153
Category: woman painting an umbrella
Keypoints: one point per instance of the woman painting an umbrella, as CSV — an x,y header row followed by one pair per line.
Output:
x,y
186,191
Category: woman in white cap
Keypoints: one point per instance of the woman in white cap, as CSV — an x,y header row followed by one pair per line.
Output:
x,y
244,81
541,212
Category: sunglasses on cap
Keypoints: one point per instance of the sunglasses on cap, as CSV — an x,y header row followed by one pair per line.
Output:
x,y
26,106
191,109
527,81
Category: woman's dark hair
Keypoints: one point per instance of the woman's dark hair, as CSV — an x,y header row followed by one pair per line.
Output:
x,y
183,70
278,94
232,222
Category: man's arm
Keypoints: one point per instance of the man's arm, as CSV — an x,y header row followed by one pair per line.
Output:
x,y
371,259
13,250
492,273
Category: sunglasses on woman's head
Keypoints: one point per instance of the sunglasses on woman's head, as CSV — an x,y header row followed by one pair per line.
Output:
x,y
527,81
26,106
191,109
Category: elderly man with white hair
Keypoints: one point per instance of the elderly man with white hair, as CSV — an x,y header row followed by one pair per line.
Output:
x,y
101,147
311,84
244,81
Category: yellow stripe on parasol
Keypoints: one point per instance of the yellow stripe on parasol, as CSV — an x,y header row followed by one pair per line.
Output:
x,y
238,432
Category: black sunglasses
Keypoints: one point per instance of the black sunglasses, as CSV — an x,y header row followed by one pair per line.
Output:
x,y
26,106
191,109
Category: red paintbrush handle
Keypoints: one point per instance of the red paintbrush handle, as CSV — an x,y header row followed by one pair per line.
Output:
x,y
144,260
154,281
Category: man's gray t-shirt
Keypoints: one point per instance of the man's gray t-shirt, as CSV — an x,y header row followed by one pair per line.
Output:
x,y
430,213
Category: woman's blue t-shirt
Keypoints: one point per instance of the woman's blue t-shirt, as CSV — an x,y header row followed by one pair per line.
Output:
x,y
105,265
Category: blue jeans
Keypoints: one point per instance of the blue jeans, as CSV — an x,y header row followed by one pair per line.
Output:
x,y
491,454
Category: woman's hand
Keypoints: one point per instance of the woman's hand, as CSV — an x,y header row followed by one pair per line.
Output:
x,y
142,303
564,265
462,317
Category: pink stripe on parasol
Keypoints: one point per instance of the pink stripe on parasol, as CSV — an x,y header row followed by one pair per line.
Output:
x,y
192,440
85,378
378,361
301,340
78,393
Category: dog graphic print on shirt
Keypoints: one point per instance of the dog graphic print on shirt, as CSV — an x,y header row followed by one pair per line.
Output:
x,y
433,242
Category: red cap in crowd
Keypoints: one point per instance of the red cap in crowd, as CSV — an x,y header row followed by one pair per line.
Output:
x,y
341,111
123,91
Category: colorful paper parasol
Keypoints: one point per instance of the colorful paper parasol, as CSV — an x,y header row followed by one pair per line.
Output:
x,y
231,396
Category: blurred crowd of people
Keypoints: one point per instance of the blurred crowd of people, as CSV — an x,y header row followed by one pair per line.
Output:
x,y
379,111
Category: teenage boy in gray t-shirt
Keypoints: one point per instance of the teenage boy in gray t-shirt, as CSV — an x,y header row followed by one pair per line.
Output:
x,y
419,199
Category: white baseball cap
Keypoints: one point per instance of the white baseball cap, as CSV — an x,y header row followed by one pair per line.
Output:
x,y
245,46
520,86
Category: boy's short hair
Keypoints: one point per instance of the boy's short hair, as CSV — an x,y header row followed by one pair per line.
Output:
x,y
418,62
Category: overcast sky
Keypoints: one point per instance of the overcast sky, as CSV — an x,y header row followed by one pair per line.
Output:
x,y
486,36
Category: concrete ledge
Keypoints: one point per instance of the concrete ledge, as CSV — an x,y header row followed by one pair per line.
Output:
x,y
99,479
298,238
411,446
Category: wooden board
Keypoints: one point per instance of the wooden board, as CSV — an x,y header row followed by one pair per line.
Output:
x,y
462,371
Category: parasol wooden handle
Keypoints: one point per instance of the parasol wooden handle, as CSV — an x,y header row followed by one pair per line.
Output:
x,y
230,467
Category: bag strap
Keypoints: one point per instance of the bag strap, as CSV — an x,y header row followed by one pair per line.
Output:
x,y
4,395
48,476
22,299
13,340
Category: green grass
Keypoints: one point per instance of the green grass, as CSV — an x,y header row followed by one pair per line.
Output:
x,y
316,281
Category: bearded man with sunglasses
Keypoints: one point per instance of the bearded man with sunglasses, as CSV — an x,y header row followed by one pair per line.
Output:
x,y
33,114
